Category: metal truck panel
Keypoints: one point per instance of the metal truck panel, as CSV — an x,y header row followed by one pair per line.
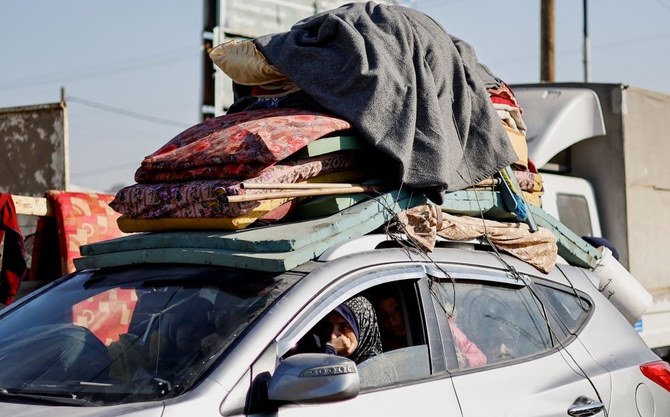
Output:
x,y
34,142
558,118
646,141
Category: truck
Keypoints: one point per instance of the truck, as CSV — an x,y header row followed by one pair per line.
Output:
x,y
602,150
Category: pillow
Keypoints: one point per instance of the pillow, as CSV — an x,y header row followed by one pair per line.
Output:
x,y
245,64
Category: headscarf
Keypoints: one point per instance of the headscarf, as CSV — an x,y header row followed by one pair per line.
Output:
x,y
369,340
346,313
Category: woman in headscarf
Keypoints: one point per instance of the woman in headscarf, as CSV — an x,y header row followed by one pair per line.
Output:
x,y
351,330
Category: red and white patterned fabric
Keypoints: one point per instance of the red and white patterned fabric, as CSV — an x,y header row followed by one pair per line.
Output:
x,y
237,145
82,218
107,314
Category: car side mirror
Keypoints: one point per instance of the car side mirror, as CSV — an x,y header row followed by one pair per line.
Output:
x,y
314,378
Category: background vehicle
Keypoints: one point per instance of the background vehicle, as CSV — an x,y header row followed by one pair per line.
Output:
x,y
602,149
552,341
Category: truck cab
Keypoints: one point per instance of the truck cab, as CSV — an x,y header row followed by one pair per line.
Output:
x,y
557,119
599,149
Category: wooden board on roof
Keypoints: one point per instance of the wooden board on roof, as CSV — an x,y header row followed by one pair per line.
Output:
x,y
326,205
571,247
476,203
330,204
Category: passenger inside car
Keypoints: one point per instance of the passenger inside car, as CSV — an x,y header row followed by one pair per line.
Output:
x,y
392,320
394,331
351,330
224,321
190,325
190,333
161,343
503,321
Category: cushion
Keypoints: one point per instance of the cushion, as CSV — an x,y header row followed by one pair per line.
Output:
x,y
519,144
268,210
245,64
82,218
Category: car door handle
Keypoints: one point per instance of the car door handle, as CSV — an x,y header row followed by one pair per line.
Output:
x,y
584,407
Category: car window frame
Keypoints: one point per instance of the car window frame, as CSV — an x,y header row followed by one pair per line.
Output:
x,y
568,336
356,282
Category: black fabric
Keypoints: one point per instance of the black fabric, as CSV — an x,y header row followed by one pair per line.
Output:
x,y
410,89
245,101
597,242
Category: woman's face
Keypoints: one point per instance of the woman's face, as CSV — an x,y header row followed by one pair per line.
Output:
x,y
342,336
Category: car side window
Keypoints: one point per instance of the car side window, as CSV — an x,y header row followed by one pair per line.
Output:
x,y
571,307
405,355
393,339
492,323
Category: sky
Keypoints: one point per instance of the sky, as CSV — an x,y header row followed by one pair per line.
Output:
x,y
132,69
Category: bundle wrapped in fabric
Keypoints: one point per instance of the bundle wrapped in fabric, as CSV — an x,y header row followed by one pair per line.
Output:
x,y
267,211
511,114
209,198
187,182
238,145
414,93
411,90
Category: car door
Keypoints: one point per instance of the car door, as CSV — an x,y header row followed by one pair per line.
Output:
x,y
421,383
532,367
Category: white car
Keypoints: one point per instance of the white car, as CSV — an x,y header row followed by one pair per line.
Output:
x,y
106,341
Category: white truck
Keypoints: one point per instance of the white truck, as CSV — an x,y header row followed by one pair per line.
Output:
x,y
603,152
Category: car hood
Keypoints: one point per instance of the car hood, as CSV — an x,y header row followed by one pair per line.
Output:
x,y
127,410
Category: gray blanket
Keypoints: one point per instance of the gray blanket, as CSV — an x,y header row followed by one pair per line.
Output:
x,y
410,89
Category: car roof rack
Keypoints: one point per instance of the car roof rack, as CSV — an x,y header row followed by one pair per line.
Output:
x,y
381,240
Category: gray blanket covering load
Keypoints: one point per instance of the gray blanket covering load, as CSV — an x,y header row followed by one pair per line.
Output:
x,y
413,91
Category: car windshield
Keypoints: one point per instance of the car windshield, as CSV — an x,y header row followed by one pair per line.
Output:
x,y
129,334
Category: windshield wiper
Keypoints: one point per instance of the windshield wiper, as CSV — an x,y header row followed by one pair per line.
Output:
x,y
45,398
